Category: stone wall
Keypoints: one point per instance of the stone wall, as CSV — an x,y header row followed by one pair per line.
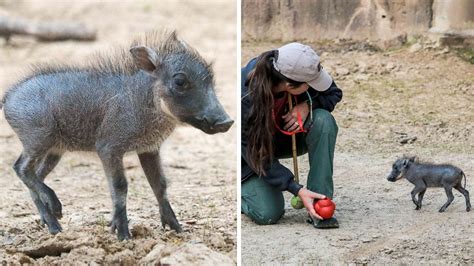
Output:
x,y
286,20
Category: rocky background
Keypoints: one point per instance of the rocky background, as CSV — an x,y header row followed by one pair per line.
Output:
x,y
388,23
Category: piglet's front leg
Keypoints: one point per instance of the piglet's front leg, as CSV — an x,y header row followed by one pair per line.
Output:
x,y
113,166
151,164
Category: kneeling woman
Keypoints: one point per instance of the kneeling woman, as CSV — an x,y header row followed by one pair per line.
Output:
x,y
267,126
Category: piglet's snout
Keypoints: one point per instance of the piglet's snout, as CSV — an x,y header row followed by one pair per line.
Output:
x,y
216,125
223,126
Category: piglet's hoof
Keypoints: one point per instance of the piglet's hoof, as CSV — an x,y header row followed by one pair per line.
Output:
x,y
123,235
173,224
168,217
54,228
122,230
51,201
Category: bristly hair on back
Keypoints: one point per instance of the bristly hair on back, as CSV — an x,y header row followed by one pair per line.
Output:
x,y
120,61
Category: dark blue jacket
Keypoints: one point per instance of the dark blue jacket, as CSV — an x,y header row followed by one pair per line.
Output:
x,y
276,174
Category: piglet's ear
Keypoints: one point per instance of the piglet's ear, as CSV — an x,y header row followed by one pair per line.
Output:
x,y
145,58
405,162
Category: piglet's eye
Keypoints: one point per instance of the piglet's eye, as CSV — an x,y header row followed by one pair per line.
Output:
x,y
179,79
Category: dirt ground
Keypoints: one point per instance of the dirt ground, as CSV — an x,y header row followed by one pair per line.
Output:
x,y
415,100
201,169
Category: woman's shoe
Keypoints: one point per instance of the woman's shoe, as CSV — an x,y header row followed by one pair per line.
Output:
x,y
324,224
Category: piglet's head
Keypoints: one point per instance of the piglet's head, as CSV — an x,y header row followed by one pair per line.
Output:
x,y
184,84
399,168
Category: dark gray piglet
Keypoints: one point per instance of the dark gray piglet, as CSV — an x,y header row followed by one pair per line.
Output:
x,y
425,175
128,101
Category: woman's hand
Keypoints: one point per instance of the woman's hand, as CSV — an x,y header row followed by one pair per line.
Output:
x,y
308,197
291,118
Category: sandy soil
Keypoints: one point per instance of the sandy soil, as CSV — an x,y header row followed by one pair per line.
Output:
x,y
420,97
201,169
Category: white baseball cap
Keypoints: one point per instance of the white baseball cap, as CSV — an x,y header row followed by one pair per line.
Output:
x,y
301,63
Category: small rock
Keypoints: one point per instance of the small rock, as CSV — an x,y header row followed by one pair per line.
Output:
x,y
390,66
191,221
444,51
7,240
388,251
21,214
345,238
415,48
196,241
408,140
342,71
217,241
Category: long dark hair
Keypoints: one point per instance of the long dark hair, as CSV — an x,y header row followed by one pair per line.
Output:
x,y
261,126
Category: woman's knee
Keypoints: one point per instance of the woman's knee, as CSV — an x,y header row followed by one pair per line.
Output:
x,y
261,202
266,216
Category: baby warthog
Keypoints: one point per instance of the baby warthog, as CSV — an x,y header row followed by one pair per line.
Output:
x,y
123,102
424,175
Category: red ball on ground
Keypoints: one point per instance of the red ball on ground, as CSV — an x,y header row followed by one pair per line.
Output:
x,y
325,208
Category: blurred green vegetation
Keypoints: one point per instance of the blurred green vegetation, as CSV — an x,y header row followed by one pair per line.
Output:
x,y
466,54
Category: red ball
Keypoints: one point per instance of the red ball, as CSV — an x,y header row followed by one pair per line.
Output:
x,y
325,208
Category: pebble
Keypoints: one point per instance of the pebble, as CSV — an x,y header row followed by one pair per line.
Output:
x,y
217,241
342,71
8,240
191,221
408,140
345,238
390,66
388,251
415,48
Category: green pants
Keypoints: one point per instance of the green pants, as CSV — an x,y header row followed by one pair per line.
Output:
x,y
265,204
